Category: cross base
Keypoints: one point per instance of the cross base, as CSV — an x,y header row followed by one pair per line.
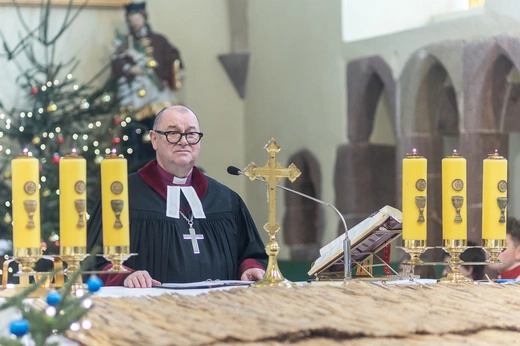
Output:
x,y
273,277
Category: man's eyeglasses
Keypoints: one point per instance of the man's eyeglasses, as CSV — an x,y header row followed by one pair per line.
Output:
x,y
174,137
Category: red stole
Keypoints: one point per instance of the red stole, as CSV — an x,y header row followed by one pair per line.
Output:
x,y
149,174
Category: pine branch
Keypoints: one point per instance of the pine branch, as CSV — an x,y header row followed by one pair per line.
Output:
x,y
71,115
67,22
43,324
10,342
37,66
17,301
11,53
30,33
45,22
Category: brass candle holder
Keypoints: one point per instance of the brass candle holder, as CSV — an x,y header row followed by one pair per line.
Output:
x,y
455,247
414,248
117,255
26,259
493,247
73,255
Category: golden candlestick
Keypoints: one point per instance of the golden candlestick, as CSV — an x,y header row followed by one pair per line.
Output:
x,y
117,255
414,248
26,258
73,255
455,247
493,247
271,174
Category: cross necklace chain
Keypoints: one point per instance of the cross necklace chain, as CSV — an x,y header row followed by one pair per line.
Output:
x,y
192,236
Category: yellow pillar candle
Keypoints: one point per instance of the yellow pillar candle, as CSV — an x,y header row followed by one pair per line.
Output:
x,y
414,197
26,202
454,202
73,201
494,197
114,193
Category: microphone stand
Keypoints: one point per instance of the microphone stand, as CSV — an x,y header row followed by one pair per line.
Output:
x,y
346,242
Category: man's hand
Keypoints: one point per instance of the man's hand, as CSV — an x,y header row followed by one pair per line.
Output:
x,y
140,279
252,274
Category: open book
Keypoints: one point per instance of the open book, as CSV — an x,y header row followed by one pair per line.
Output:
x,y
366,237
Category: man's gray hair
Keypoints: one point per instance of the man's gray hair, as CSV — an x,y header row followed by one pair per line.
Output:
x,y
180,108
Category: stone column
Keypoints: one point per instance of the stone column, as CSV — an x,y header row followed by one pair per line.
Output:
x,y
364,180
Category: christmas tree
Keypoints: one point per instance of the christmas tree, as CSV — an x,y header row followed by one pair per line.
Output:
x,y
59,113
61,311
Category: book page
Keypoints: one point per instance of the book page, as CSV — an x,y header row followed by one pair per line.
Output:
x,y
363,231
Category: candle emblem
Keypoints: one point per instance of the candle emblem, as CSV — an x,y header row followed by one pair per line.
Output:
x,y
117,204
80,204
502,204
420,202
30,204
458,202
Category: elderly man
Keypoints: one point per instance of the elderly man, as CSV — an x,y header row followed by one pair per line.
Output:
x,y
184,226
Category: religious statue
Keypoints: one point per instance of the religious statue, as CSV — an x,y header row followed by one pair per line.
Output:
x,y
147,67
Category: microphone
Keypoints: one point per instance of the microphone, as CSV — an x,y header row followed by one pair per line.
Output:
x,y
234,170
346,242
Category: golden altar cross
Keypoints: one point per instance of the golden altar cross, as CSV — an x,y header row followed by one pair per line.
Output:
x,y
271,173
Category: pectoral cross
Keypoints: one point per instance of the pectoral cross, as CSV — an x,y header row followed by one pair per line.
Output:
x,y
193,237
272,172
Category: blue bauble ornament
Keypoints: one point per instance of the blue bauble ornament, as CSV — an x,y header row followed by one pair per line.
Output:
x,y
19,327
53,298
94,284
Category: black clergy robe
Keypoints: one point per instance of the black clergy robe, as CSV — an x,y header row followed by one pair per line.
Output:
x,y
231,241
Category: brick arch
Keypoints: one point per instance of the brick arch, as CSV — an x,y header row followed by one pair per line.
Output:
x,y
436,106
487,64
303,219
366,80
490,111
430,88
359,187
